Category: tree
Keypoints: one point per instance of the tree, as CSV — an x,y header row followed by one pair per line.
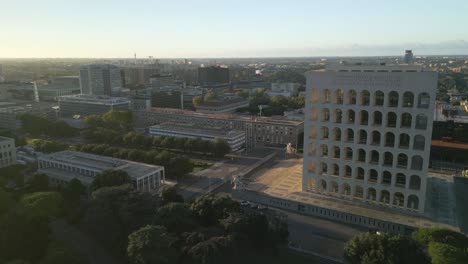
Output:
x,y
110,178
209,96
220,147
45,204
59,253
212,251
243,94
278,100
444,246
151,245
383,248
170,195
39,182
209,209
196,100
176,217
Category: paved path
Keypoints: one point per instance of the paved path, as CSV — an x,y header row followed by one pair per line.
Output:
x,y
86,246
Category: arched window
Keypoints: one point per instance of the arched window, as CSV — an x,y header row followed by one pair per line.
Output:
x,y
338,96
351,97
314,114
374,157
385,197
349,153
424,100
312,150
373,176
413,202
351,116
346,189
371,194
323,185
326,96
391,119
358,192
416,162
362,155
364,117
378,118
415,182
338,116
336,170
365,98
400,180
406,119
349,135
325,114
393,99
360,174
325,133
313,132
379,98
362,136
421,121
348,172
324,150
399,199
314,96
386,178
336,152
310,184
402,160
419,142
388,159
334,187
408,99
324,168
337,133
375,138
311,167
404,140
389,139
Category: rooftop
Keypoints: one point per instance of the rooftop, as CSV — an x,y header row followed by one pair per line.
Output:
x,y
93,99
100,163
375,68
236,117
5,139
192,128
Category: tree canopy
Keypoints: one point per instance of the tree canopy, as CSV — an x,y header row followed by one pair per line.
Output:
x,y
109,178
151,245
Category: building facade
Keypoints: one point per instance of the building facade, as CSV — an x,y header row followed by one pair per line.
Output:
x,y
235,138
270,131
7,152
61,167
82,104
100,79
222,106
368,134
213,75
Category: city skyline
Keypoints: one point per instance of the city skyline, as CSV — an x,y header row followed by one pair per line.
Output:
x,y
209,29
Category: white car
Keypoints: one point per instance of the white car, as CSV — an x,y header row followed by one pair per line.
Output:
x,y
253,205
245,203
261,207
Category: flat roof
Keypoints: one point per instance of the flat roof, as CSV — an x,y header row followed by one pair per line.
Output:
x,y
192,128
374,68
100,163
94,99
5,138
245,118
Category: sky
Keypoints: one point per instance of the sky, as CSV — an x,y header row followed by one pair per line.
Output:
x,y
231,28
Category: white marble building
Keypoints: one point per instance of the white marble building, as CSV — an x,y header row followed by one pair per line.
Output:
x,y
368,134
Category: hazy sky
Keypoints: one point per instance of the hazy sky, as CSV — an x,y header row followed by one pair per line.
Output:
x,y
231,28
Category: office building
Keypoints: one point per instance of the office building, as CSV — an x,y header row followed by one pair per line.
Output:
x,y
7,152
61,167
213,75
67,82
82,104
269,131
221,106
235,138
368,134
100,79
139,75
283,89
409,59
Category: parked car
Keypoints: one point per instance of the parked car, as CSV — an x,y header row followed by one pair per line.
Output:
x,y
244,203
261,207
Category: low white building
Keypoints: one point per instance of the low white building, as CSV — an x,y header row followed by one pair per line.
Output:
x,y
283,89
235,138
63,166
7,152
